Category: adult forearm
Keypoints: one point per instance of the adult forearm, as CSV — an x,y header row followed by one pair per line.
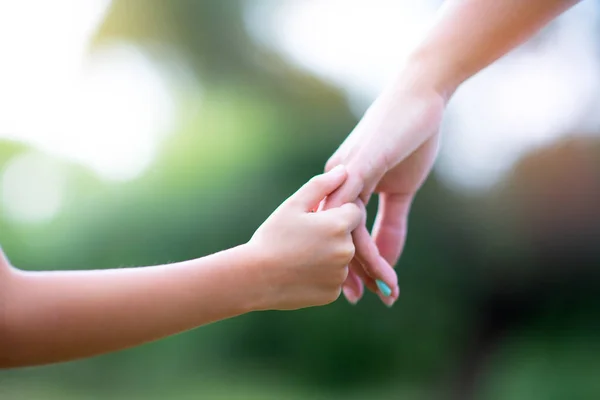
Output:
x,y
471,34
59,316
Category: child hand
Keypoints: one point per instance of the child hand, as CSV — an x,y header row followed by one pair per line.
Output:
x,y
306,254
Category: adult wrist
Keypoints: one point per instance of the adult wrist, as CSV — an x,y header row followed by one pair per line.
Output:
x,y
426,74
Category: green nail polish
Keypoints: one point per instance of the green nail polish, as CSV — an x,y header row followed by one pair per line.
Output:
x,y
383,288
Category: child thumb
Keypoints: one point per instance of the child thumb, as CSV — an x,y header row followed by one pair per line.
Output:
x,y
319,187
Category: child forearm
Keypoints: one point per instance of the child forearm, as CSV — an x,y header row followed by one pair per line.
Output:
x,y
295,259
471,34
58,316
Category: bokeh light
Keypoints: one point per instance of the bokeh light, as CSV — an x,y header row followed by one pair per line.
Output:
x,y
106,109
32,188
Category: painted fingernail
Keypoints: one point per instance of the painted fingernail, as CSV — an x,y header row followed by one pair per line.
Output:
x,y
383,288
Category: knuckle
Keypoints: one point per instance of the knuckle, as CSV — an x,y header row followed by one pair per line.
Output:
x,y
354,213
349,251
344,253
332,163
352,208
357,213
364,173
338,226
343,275
332,295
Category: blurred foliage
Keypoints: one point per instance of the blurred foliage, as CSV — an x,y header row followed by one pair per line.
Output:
x,y
477,318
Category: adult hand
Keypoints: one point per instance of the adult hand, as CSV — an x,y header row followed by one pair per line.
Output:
x,y
392,149
390,152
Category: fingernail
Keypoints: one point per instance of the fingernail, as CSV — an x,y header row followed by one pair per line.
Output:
x,y
387,301
383,288
350,296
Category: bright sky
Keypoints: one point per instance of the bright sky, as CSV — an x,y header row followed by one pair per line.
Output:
x,y
107,110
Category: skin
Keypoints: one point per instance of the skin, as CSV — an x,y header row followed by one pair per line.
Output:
x,y
392,149
295,259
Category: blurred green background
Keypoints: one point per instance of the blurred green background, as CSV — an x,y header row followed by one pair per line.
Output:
x,y
499,287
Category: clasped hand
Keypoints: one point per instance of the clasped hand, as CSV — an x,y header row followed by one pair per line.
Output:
x,y
390,152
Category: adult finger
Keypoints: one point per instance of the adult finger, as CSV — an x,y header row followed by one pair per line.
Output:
x,y
353,286
391,223
347,192
365,279
373,264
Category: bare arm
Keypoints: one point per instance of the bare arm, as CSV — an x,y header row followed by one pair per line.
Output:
x,y
392,149
295,259
57,316
471,34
